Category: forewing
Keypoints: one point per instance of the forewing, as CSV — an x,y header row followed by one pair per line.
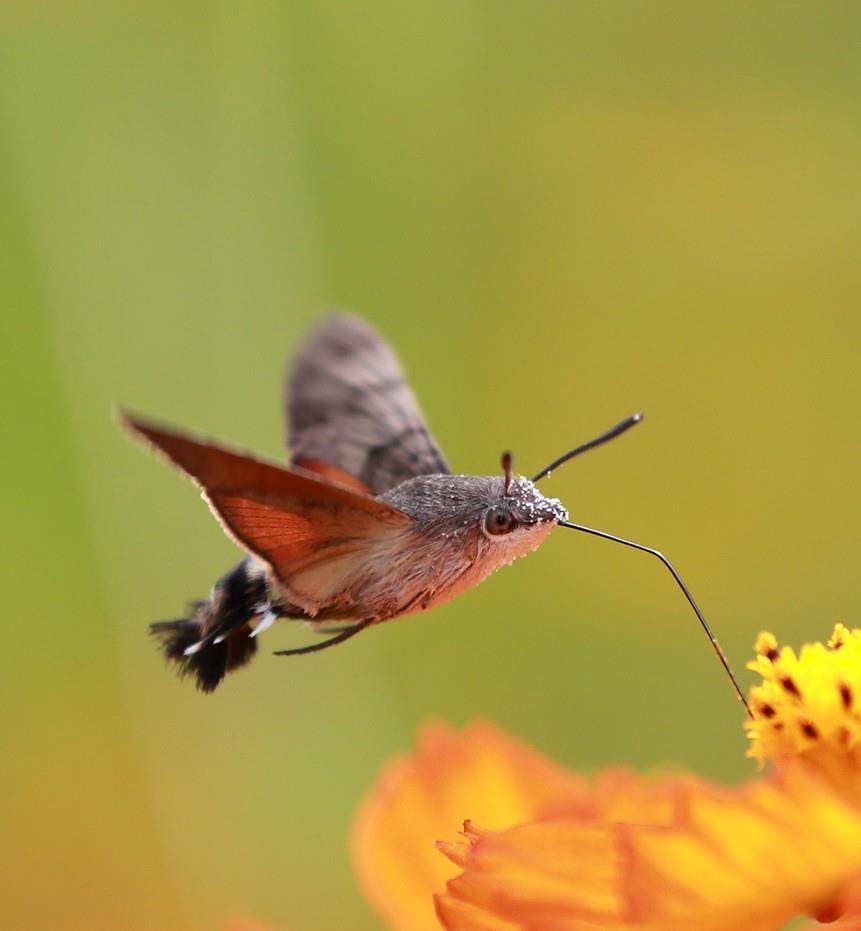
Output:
x,y
304,528
350,407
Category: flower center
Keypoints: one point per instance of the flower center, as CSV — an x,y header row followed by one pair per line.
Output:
x,y
808,703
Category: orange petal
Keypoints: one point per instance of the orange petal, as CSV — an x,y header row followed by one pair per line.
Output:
x,y
848,905
478,773
455,913
622,796
532,876
750,859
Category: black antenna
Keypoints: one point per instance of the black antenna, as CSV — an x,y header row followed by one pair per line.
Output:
x,y
647,549
611,434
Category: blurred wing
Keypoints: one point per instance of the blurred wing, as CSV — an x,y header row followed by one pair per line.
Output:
x,y
351,409
312,534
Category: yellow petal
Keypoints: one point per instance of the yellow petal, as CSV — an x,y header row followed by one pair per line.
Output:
x,y
479,773
745,859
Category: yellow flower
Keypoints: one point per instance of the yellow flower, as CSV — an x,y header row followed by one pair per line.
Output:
x,y
807,709
546,851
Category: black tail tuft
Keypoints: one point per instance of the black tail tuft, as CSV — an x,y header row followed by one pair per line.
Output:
x,y
212,661
225,617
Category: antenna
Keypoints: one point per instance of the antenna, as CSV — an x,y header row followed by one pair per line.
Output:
x,y
647,549
611,434
507,463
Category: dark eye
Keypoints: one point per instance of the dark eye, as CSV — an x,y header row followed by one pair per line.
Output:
x,y
498,521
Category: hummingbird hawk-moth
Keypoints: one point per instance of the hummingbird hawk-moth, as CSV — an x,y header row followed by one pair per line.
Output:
x,y
366,523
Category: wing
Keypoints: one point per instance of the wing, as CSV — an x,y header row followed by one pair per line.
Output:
x,y
350,408
315,536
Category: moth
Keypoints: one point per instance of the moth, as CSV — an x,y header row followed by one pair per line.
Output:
x,y
366,523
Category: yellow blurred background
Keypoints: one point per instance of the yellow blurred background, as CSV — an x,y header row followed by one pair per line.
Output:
x,y
558,213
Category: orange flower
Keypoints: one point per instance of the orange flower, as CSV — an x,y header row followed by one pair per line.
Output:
x,y
546,851
417,800
750,858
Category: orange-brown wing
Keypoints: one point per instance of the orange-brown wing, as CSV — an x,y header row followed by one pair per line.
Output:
x,y
292,520
333,474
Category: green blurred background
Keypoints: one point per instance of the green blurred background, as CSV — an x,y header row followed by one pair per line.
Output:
x,y
558,213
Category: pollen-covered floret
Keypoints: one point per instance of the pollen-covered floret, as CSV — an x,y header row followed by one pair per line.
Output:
x,y
808,703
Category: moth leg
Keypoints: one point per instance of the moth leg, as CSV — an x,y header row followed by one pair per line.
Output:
x,y
331,642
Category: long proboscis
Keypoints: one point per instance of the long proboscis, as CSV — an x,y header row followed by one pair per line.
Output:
x,y
705,625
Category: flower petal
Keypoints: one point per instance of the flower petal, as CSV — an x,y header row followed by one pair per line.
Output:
x,y
749,858
478,772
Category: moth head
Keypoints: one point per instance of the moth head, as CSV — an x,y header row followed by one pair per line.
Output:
x,y
518,508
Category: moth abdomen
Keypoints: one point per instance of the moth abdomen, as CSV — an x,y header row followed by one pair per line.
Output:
x,y
218,636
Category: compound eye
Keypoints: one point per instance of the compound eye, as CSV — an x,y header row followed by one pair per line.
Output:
x,y
498,521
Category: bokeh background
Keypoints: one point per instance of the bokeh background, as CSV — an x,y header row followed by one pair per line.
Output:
x,y
558,213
